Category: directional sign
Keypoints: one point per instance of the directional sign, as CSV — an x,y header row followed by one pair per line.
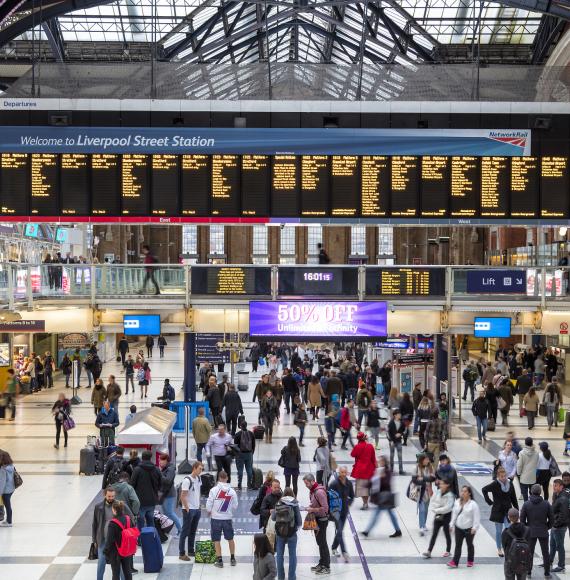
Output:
x,y
496,281
473,468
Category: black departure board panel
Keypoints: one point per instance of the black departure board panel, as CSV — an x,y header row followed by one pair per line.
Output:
x,y
225,185
345,185
135,185
375,192
231,280
321,281
554,187
255,185
14,183
435,186
44,184
314,185
416,281
495,186
465,185
284,186
196,177
75,184
105,184
524,182
165,186
404,199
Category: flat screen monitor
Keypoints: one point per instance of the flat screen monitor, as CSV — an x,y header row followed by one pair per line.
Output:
x,y
492,327
61,235
32,230
141,324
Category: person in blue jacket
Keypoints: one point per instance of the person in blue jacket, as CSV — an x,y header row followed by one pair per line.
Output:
x,y
107,420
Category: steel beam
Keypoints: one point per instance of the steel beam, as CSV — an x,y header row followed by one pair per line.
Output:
x,y
55,38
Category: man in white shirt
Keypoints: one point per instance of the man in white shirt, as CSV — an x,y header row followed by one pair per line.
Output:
x,y
190,500
221,504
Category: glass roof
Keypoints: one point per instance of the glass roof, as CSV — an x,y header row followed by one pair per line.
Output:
x,y
396,31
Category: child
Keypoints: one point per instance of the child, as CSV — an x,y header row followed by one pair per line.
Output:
x,y
301,421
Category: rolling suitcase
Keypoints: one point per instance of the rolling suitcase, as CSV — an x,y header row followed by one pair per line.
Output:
x,y
153,557
259,431
491,424
208,482
257,478
87,460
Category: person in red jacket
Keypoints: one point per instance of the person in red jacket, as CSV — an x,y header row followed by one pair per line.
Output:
x,y
365,465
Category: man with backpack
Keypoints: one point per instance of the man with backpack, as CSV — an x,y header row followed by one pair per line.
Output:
x,y
319,506
340,495
115,465
146,481
536,513
245,440
190,502
470,375
560,522
516,548
287,518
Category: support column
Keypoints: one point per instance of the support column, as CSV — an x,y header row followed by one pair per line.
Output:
x,y
190,367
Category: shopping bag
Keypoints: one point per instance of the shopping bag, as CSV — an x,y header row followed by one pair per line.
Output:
x,y
561,415
205,552
310,522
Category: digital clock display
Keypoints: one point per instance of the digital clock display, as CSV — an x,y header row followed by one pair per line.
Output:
x,y
310,282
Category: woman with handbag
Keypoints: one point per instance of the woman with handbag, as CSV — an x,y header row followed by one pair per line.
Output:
x,y
290,461
543,468
441,505
465,521
530,403
423,479
61,410
7,485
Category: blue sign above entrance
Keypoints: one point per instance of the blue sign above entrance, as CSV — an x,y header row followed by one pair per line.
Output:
x,y
496,282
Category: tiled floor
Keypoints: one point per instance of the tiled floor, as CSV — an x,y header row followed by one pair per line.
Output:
x,y
50,508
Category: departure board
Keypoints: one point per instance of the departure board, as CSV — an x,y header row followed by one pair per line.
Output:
x,y
435,186
554,187
314,185
14,183
285,186
165,186
230,280
495,186
405,281
195,185
105,176
135,181
321,281
255,185
465,185
44,184
345,185
524,182
375,171
75,183
404,198
225,185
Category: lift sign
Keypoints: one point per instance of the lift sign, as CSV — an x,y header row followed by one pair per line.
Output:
x,y
317,320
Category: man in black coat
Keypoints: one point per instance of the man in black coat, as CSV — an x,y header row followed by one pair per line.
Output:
x,y
269,502
480,410
290,390
516,531
524,383
536,513
232,404
560,522
146,482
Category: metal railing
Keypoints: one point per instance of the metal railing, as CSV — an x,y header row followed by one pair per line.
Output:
x,y
27,283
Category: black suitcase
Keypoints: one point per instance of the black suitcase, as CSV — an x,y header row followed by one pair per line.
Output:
x,y
87,460
208,482
259,431
491,424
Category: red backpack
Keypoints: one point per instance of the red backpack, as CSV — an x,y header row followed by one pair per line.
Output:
x,y
129,538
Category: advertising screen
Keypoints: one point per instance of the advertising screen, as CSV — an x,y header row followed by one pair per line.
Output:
x,y
492,327
317,320
139,324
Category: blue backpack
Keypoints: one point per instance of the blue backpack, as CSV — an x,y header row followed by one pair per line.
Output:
x,y
335,503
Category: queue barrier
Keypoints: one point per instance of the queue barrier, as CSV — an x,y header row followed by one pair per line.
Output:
x,y
179,407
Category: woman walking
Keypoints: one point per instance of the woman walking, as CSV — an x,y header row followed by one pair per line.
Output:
x,y
530,403
314,395
508,460
423,479
465,521
61,410
98,396
268,409
504,498
491,395
144,378
543,473
407,409
364,467
7,485
550,400
290,460
301,422
113,540
441,505
423,416
322,458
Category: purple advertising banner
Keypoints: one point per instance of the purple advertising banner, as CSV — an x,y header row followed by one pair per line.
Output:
x,y
301,319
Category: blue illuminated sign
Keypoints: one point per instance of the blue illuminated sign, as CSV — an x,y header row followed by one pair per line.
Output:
x,y
492,327
32,230
496,281
141,324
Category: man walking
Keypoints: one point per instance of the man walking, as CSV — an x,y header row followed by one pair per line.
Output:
x,y
201,429
319,506
343,486
536,513
233,406
480,410
396,431
217,448
221,504
526,466
245,440
149,260
560,521
190,500
129,374
146,481
123,349
114,393
515,547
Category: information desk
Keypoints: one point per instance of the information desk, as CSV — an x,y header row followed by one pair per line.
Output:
x,y
281,186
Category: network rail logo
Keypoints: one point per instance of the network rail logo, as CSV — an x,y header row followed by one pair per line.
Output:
x,y
516,138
